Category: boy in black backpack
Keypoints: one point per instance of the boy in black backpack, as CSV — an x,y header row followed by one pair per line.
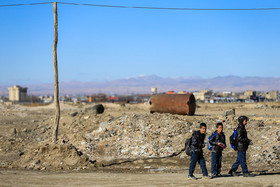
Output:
x,y
197,143
242,142
218,143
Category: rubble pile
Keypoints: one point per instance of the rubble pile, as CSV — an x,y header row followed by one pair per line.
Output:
x,y
132,136
137,136
53,157
265,152
129,133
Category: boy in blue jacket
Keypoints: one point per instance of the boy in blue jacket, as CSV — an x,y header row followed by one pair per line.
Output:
x,y
218,143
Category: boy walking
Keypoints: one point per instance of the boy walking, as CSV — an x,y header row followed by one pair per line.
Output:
x,y
197,143
242,143
218,143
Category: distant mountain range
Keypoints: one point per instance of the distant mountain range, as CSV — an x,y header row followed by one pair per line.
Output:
x,y
143,84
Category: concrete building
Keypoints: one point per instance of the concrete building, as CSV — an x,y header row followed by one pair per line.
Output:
x,y
273,95
250,93
17,94
154,90
203,95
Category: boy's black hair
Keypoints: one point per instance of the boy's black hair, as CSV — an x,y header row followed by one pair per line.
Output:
x,y
202,125
219,124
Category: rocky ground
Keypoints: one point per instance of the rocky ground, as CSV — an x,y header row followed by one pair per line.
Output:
x,y
126,137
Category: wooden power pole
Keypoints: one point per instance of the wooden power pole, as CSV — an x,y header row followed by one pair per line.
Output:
x,y
56,87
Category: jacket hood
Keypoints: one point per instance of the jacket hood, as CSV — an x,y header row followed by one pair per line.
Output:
x,y
242,118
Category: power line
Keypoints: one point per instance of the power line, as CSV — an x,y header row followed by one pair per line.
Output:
x,y
26,4
166,8
150,8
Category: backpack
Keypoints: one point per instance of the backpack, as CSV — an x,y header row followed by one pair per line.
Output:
x,y
188,144
209,146
232,140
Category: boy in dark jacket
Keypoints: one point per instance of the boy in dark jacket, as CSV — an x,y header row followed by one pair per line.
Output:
x,y
197,143
242,143
218,143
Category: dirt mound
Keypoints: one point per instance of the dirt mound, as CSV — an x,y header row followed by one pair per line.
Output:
x,y
128,132
53,157
136,136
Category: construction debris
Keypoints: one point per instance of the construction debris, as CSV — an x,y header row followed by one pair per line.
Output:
x,y
128,134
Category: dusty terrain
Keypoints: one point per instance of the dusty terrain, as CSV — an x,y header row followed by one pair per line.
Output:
x,y
129,143
35,178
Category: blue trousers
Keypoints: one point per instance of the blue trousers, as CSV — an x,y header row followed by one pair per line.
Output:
x,y
241,160
197,157
216,163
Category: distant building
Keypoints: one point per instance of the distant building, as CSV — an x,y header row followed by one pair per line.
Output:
x,y
170,92
243,97
46,99
113,99
203,95
273,95
250,93
17,94
154,90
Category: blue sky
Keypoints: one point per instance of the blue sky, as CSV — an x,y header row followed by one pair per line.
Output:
x,y
99,44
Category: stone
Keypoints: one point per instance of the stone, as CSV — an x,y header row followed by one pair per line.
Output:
x,y
230,112
14,131
260,124
73,114
277,150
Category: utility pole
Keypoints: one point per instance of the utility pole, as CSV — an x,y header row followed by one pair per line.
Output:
x,y
56,87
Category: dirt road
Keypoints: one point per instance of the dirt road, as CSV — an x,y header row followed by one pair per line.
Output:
x,y
38,178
